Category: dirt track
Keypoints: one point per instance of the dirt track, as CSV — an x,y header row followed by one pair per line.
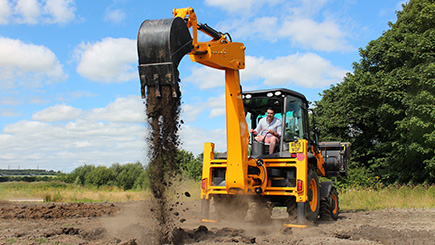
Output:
x,y
131,223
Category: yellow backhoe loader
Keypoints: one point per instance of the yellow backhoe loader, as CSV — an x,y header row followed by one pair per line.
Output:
x,y
246,172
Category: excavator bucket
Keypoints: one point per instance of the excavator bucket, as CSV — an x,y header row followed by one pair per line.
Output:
x,y
161,45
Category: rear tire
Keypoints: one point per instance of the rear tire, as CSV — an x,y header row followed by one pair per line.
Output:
x,y
312,205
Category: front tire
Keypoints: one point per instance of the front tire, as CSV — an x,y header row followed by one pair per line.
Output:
x,y
329,206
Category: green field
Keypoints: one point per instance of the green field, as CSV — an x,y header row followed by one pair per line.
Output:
x,y
353,199
420,196
62,192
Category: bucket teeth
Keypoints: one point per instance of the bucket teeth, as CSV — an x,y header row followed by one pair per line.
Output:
x,y
161,46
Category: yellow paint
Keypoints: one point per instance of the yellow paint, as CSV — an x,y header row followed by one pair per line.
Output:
x,y
295,226
209,221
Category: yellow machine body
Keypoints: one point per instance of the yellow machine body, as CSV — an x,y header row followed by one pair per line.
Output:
x,y
161,45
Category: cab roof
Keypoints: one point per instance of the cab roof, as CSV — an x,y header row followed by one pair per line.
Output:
x,y
284,91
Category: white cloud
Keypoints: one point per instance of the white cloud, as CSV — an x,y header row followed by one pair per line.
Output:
x,y
307,70
59,11
110,60
324,36
307,7
37,11
103,136
193,139
301,31
27,64
68,96
191,111
217,105
261,27
295,22
64,147
126,109
57,113
237,6
62,137
38,100
5,11
9,113
28,11
205,77
10,101
114,15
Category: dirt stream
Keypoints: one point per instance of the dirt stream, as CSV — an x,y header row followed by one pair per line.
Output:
x,y
163,119
133,223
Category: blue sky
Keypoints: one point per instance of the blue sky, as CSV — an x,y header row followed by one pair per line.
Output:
x,y
69,86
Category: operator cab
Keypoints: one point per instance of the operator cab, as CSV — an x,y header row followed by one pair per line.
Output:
x,y
290,107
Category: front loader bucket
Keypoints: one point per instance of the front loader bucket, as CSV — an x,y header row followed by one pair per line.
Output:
x,y
161,45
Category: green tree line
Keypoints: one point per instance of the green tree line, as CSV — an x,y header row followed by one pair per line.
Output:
x,y
386,106
26,178
131,175
28,172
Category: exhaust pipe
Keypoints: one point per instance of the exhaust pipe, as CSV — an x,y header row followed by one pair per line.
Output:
x,y
161,45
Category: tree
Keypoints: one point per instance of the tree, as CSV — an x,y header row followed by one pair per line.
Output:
x,y
78,175
386,106
189,164
100,176
128,174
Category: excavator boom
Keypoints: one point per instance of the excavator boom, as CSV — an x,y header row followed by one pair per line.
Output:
x,y
161,46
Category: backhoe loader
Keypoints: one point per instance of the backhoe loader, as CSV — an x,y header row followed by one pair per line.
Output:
x,y
246,173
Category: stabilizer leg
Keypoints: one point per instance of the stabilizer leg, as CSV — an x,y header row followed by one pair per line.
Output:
x,y
301,213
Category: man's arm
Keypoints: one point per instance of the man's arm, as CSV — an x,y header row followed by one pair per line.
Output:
x,y
259,127
278,128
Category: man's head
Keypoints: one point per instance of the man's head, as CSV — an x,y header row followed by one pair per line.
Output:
x,y
270,113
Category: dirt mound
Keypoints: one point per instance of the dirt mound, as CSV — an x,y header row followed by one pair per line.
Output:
x,y
203,234
55,210
388,235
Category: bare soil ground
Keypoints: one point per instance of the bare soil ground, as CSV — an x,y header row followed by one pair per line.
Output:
x,y
133,223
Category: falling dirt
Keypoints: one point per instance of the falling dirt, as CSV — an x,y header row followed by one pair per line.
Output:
x,y
163,117
132,223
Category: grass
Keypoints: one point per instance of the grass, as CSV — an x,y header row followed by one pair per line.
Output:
x,y
419,196
62,192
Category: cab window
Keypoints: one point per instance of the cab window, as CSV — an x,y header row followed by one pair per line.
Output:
x,y
294,128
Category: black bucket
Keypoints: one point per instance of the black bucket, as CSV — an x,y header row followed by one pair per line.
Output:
x,y
161,45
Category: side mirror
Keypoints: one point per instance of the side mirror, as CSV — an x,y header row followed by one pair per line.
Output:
x,y
316,132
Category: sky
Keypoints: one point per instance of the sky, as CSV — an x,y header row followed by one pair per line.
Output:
x,y
69,85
